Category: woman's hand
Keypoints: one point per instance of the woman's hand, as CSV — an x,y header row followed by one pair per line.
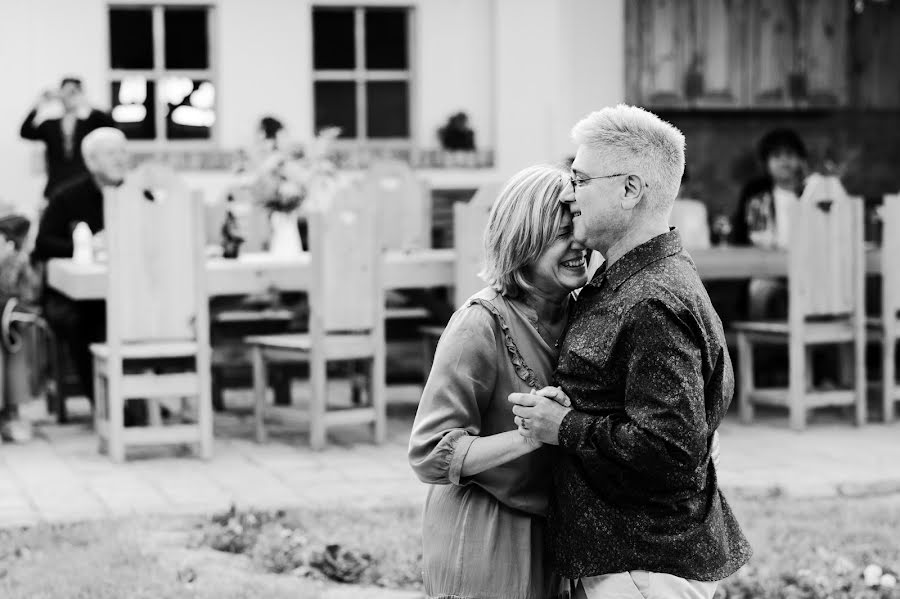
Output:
x,y
554,393
539,416
526,438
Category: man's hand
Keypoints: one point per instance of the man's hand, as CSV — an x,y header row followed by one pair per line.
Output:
x,y
44,106
539,416
45,97
556,394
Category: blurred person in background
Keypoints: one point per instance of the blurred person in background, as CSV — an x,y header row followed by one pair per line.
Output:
x,y
762,219
19,295
762,214
63,133
80,323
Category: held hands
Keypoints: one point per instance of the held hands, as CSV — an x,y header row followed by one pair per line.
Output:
x,y
528,440
540,413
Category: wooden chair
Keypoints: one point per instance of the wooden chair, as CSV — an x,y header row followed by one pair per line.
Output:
x,y
346,321
232,319
826,276
404,205
886,329
157,310
404,212
690,218
469,222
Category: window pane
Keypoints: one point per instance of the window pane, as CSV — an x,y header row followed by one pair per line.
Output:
x,y
334,43
190,107
386,39
387,111
336,106
187,40
133,104
130,38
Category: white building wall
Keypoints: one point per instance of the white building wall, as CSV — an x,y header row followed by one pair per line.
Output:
x,y
510,64
40,42
594,36
264,62
454,67
556,60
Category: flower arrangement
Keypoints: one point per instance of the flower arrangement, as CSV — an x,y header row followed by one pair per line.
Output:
x,y
281,182
278,181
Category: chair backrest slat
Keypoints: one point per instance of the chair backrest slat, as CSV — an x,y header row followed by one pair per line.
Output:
x,y
890,255
346,291
155,239
404,205
826,250
469,222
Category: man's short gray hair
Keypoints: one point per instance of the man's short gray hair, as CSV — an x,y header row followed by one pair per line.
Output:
x,y
524,221
633,140
99,137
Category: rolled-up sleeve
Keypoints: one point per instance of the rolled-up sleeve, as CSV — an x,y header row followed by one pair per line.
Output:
x,y
459,389
661,437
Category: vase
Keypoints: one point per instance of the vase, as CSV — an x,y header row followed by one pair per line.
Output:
x,y
284,239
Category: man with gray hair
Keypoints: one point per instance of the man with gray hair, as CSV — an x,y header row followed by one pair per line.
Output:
x,y
636,510
80,200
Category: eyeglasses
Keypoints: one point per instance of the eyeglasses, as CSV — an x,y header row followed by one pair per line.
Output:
x,y
576,183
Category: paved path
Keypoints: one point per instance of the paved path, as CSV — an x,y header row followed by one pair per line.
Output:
x,y
59,476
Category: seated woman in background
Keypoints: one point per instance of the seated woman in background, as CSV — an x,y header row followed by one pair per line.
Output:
x,y
762,216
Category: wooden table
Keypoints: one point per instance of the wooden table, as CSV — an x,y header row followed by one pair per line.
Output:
x,y
736,263
256,273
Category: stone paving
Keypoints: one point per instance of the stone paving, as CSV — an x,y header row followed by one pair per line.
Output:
x,y
59,476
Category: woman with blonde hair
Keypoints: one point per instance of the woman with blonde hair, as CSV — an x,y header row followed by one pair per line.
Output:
x,y
483,523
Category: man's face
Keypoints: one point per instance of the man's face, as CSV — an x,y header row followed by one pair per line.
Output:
x,y
70,96
598,217
109,162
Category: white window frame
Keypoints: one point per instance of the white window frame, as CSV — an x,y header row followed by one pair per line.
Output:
x,y
159,72
360,76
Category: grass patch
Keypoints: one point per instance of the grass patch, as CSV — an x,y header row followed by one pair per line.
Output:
x,y
817,548
142,559
379,547
803,549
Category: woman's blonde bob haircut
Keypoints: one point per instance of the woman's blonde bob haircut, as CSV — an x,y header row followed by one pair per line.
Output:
x,y
524,221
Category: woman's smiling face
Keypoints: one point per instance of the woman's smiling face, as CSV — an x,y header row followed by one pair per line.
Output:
x,y
562,267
